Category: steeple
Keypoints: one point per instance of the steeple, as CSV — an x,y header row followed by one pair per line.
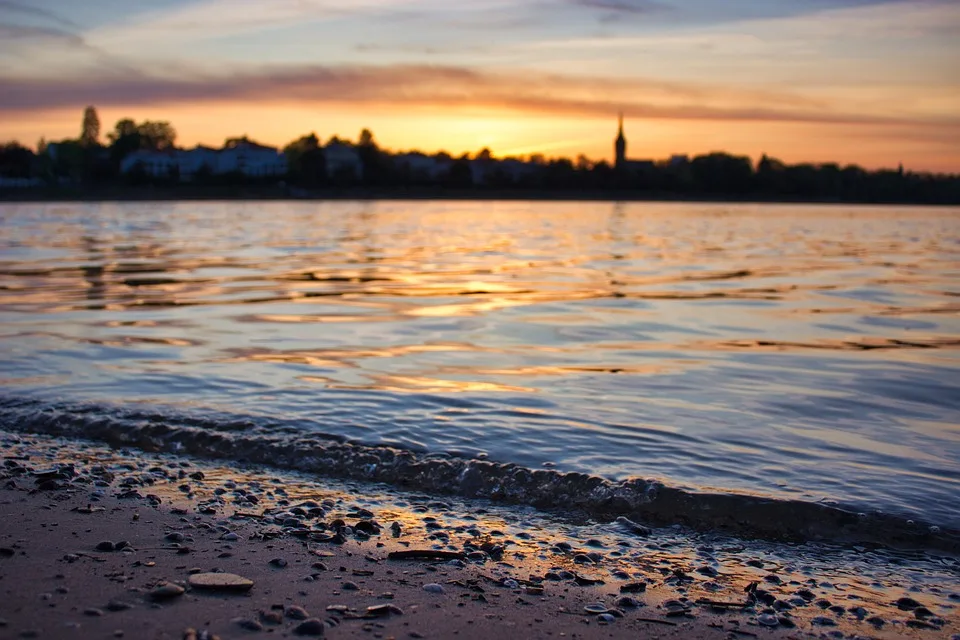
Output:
x,y
620,146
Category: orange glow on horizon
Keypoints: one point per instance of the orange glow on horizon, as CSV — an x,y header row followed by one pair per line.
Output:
x,y
505,132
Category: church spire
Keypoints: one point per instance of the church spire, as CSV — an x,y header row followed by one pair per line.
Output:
x,y
620,146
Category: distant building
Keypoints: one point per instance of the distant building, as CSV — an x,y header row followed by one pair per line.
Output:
x,y
19,183
251,159
421,167
158,164
620,146
239,156
342,161
622,163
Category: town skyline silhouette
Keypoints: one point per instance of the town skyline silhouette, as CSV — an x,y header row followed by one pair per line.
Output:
x,y
146,154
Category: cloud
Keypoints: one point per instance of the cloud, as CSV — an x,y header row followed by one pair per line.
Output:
x,y
36,12
635,7
13,37
438,87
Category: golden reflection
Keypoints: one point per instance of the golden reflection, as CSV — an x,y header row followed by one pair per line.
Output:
x,y
415,384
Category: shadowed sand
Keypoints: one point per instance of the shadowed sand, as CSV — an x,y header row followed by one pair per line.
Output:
x,y
322,551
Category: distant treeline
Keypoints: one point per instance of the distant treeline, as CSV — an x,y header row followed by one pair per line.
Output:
x,y
86,163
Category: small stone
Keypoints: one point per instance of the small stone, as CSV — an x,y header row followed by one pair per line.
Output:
x,y
106,545
383,610
606,618
166,591
628,602
279,563
350,586
296,613
311,627
175,536
433,587
118,605
824,621
876,621
230,537
271,617
596,608
220,582
907,604
248,624
768,620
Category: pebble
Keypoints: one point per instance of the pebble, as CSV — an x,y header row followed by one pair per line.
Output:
x,y
230,537
350,586
768,620
311,627
118,605
271,617
596,608
280,563
166,591
295,612
383,610
220,582
433,587
248,624
106,545
627,602
824,621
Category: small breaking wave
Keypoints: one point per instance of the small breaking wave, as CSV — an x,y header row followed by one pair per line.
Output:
x,y
257,440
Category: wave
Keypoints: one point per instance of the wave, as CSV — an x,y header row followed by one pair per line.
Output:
x,y
271,442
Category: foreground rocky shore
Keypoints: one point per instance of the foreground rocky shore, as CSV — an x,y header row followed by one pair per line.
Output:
x,y
97,543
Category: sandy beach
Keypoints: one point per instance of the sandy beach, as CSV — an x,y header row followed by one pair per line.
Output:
x,y
98,543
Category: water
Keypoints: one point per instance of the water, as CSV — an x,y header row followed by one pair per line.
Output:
x,y
803,353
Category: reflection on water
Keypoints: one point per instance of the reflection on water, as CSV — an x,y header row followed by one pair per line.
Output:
x,y
794,351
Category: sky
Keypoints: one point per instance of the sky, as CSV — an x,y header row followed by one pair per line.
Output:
x,y
871,82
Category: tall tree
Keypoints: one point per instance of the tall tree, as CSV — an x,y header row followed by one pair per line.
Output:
x,y
90,133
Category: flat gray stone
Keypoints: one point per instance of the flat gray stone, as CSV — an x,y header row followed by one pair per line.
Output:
x,y
220,582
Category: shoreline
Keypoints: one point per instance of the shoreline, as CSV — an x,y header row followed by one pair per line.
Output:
x,y
280,193
514,571
782,519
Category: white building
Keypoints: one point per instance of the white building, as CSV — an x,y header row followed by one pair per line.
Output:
x,y
194,160
158,164
251,159
242,156
420,166
342,161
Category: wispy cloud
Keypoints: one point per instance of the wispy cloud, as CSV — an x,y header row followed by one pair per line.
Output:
x,y
11,6
442,86
10,32
630,7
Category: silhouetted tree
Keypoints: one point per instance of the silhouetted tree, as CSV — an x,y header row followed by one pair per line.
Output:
x,y
90,131
722,174
305,161
376,168
156,136
16,161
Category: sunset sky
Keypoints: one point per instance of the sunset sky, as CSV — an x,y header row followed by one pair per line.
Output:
x,y
875,82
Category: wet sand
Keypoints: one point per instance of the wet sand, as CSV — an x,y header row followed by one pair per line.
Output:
x,y
322,552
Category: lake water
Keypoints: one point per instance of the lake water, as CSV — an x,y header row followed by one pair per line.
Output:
x,y
797,352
